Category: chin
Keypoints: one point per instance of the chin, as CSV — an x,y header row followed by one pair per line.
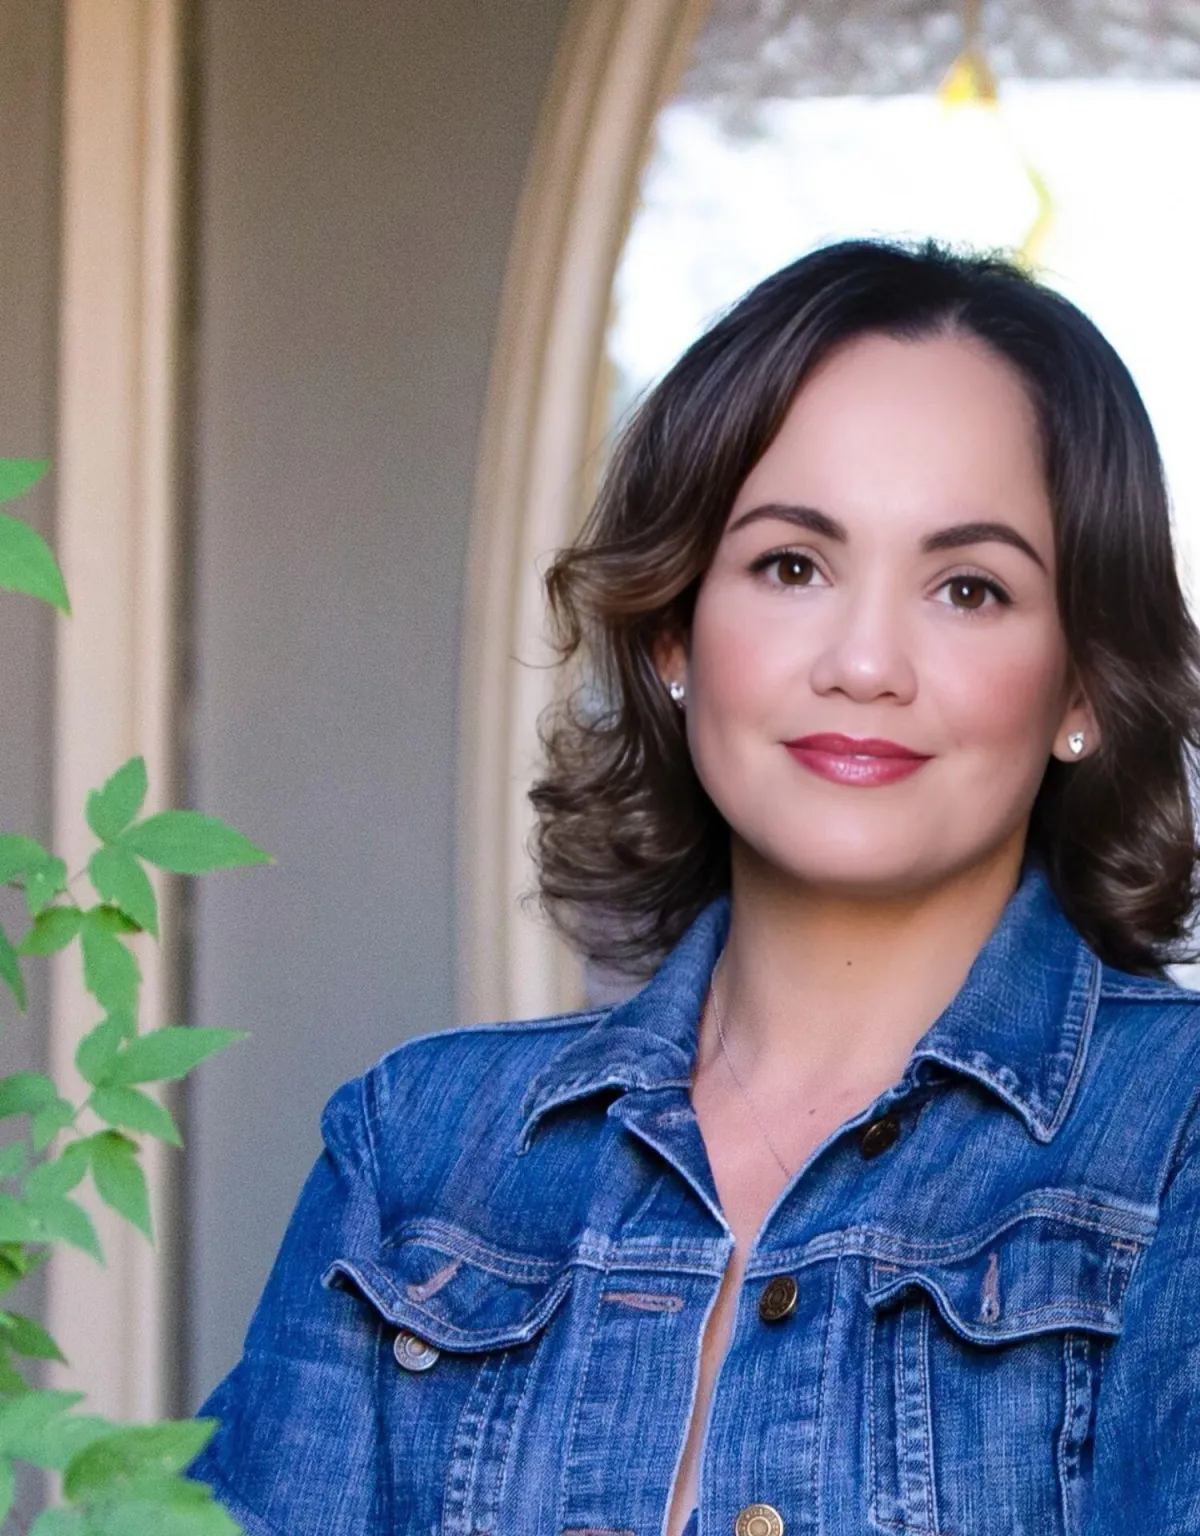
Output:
x,y
858,861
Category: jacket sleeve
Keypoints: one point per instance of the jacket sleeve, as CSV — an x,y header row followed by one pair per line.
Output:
x,y
1147,1445
298,1448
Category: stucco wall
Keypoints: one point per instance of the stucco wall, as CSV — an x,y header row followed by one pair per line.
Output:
x,y
360,164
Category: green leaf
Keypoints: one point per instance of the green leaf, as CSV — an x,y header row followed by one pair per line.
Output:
x,y
43,883
13,1159
125,1024
98,1049
24,861
48,1121
166,1054
147,1512
60,1522
17,476
17,855
12,1383
57,1175
189,843
70,1223
65,1437
25,1420
120,1180
135,1111
110,920
24,1093
120,879
17,1223
110,971
111,809
132,1454
27,564
23,1260
28,1338
12,1273
52,930
10,970
8,1488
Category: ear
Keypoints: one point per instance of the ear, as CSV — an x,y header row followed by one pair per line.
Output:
x,y
1078,724
670,658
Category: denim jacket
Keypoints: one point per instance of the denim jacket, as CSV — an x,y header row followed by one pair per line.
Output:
x,y
975,1311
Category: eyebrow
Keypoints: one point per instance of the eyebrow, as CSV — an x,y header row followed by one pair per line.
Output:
x,y
957,536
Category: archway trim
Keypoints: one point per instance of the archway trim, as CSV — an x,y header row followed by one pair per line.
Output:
x,y
617,61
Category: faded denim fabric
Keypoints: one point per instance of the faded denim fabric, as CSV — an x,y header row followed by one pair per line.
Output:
x,y
997,1330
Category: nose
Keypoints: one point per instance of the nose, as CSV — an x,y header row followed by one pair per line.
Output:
x,y
866,656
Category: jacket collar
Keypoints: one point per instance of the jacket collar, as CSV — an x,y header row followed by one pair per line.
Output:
x,y
1019,1024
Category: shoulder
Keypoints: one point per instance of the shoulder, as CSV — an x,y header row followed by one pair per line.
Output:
x,y
1141,1009
1143,1061
450,1094
500,1057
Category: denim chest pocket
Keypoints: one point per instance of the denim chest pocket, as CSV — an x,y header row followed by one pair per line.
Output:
x,y
983,1365
455,1292
462,1324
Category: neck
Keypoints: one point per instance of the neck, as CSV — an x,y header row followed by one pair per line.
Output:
x,y
825,987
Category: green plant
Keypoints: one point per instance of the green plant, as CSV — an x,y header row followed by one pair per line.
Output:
x,y
116,1480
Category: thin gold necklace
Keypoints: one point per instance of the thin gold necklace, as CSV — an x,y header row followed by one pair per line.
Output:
x,y
758,1120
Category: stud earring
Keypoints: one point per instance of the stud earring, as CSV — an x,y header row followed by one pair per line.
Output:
x,y
1075,742
677,690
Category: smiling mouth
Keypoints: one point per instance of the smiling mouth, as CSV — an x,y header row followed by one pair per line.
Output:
x,y
856,746
865,762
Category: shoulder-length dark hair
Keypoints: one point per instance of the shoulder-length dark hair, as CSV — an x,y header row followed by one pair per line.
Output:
x,y
627,844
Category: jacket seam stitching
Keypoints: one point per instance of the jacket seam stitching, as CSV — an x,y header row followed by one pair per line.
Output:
x,y
576,1408
367,1092
1184,1143
1082,1046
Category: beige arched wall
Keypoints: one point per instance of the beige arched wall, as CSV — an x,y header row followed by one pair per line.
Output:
x,y
617,62
116,471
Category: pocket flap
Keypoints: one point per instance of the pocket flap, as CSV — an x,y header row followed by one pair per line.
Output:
x,y
1038,1274
454,1291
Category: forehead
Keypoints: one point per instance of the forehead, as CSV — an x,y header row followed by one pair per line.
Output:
x,y
935,428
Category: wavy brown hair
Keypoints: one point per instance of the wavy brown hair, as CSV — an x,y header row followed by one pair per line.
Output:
x,y
628,845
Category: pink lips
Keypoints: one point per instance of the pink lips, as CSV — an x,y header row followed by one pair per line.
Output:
x,y
864,761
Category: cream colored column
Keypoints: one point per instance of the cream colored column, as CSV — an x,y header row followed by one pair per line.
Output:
x,y
116,484
617,62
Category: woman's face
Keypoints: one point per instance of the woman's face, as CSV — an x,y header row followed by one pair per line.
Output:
x,y
876,673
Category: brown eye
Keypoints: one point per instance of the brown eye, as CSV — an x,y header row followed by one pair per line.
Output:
x,y
968,592
795,570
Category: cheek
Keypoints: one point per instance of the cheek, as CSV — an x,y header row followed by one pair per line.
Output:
x,y
749,666
1000,694
743,652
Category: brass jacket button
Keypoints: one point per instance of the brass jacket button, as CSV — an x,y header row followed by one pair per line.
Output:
x,y
758,1520
412,1353
778,1300
879,1135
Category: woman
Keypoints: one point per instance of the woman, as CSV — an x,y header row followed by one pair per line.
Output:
x,y
877,1208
